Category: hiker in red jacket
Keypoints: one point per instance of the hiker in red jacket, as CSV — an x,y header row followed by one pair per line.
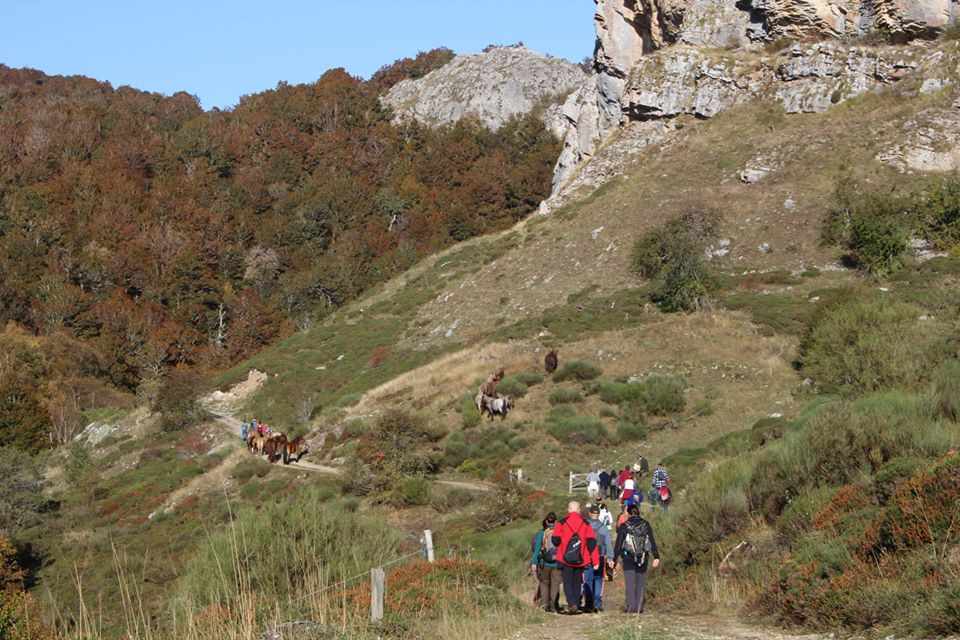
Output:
x,y
576,549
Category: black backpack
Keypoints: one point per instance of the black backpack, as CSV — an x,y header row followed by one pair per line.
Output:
x,y
637,541
573,555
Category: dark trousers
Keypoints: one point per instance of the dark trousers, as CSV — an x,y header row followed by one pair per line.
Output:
x,y
572,584
636,583
550,580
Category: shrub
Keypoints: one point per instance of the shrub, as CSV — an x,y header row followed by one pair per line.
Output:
x,y
673,258
456,450
22,500
577,370
250,467
874,227
663,393
78,464
512,386
657,394
629,431
529,378
565,395
858,343
577,430
469,416
411,492
178,399
399,442
450,499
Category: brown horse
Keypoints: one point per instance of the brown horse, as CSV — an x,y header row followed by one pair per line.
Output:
x,y
275,446
251,439
292,449
490,383
550,362
258,442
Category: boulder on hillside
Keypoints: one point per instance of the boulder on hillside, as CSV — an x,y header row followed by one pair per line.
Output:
x,y
493,86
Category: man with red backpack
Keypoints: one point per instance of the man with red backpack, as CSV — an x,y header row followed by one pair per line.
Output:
x,y
576,549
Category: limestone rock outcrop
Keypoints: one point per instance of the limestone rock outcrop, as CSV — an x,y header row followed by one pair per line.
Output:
x,y
494,86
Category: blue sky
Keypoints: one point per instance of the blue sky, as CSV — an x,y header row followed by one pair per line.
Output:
x,y
220,50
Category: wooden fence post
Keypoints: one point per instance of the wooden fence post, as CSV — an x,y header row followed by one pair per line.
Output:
x,y
378,584
570,484
428,542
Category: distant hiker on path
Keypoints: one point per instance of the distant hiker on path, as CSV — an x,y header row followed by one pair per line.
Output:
x,y
635,545
576,549
660,480
593,485
544,566
604,483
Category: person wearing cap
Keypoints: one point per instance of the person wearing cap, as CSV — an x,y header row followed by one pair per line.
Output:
x,y
593,577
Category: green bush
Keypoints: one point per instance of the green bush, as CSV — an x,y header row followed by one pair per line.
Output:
x,y
657,394
577,430
858,343
875,227
529,378
412,491
577,370
663,393
469,416
178,399
565,395
253,466
629,432
512,386
673,258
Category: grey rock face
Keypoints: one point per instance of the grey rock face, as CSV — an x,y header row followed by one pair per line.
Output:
x,y
931,143
493,86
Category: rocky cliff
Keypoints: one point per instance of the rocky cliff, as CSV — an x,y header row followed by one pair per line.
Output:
x,y
662,58
493,86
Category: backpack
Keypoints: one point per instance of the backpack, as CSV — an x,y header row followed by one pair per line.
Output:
x,y
573,555
548,550
637,542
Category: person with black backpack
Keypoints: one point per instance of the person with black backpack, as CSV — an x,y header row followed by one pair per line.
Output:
x,y
576,549
545,567
635,546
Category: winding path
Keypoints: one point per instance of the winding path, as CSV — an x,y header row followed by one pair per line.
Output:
x,y
233,428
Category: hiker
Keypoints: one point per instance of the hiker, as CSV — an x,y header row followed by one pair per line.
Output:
x,y
642,466
613,490
629,489
660,480
545,567
605,516
621,479
593,577
665,496
593,485
635,545
604,483
243,431
576,548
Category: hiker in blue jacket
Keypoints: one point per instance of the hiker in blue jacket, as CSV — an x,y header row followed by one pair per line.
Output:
x,y
593,579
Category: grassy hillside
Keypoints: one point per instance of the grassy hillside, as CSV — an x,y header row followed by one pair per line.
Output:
x,y
809,413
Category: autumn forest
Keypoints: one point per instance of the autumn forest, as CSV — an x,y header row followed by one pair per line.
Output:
x,y
141,235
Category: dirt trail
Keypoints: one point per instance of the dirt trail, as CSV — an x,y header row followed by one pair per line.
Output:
x,y
652,625
232,430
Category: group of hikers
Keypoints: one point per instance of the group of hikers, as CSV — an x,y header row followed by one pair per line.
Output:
x,y
262,439
576,551
623,485
580,552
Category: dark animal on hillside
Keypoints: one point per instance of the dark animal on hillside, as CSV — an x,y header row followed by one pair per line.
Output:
x,y
274,447
489,385
497,406
292,449
551,361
